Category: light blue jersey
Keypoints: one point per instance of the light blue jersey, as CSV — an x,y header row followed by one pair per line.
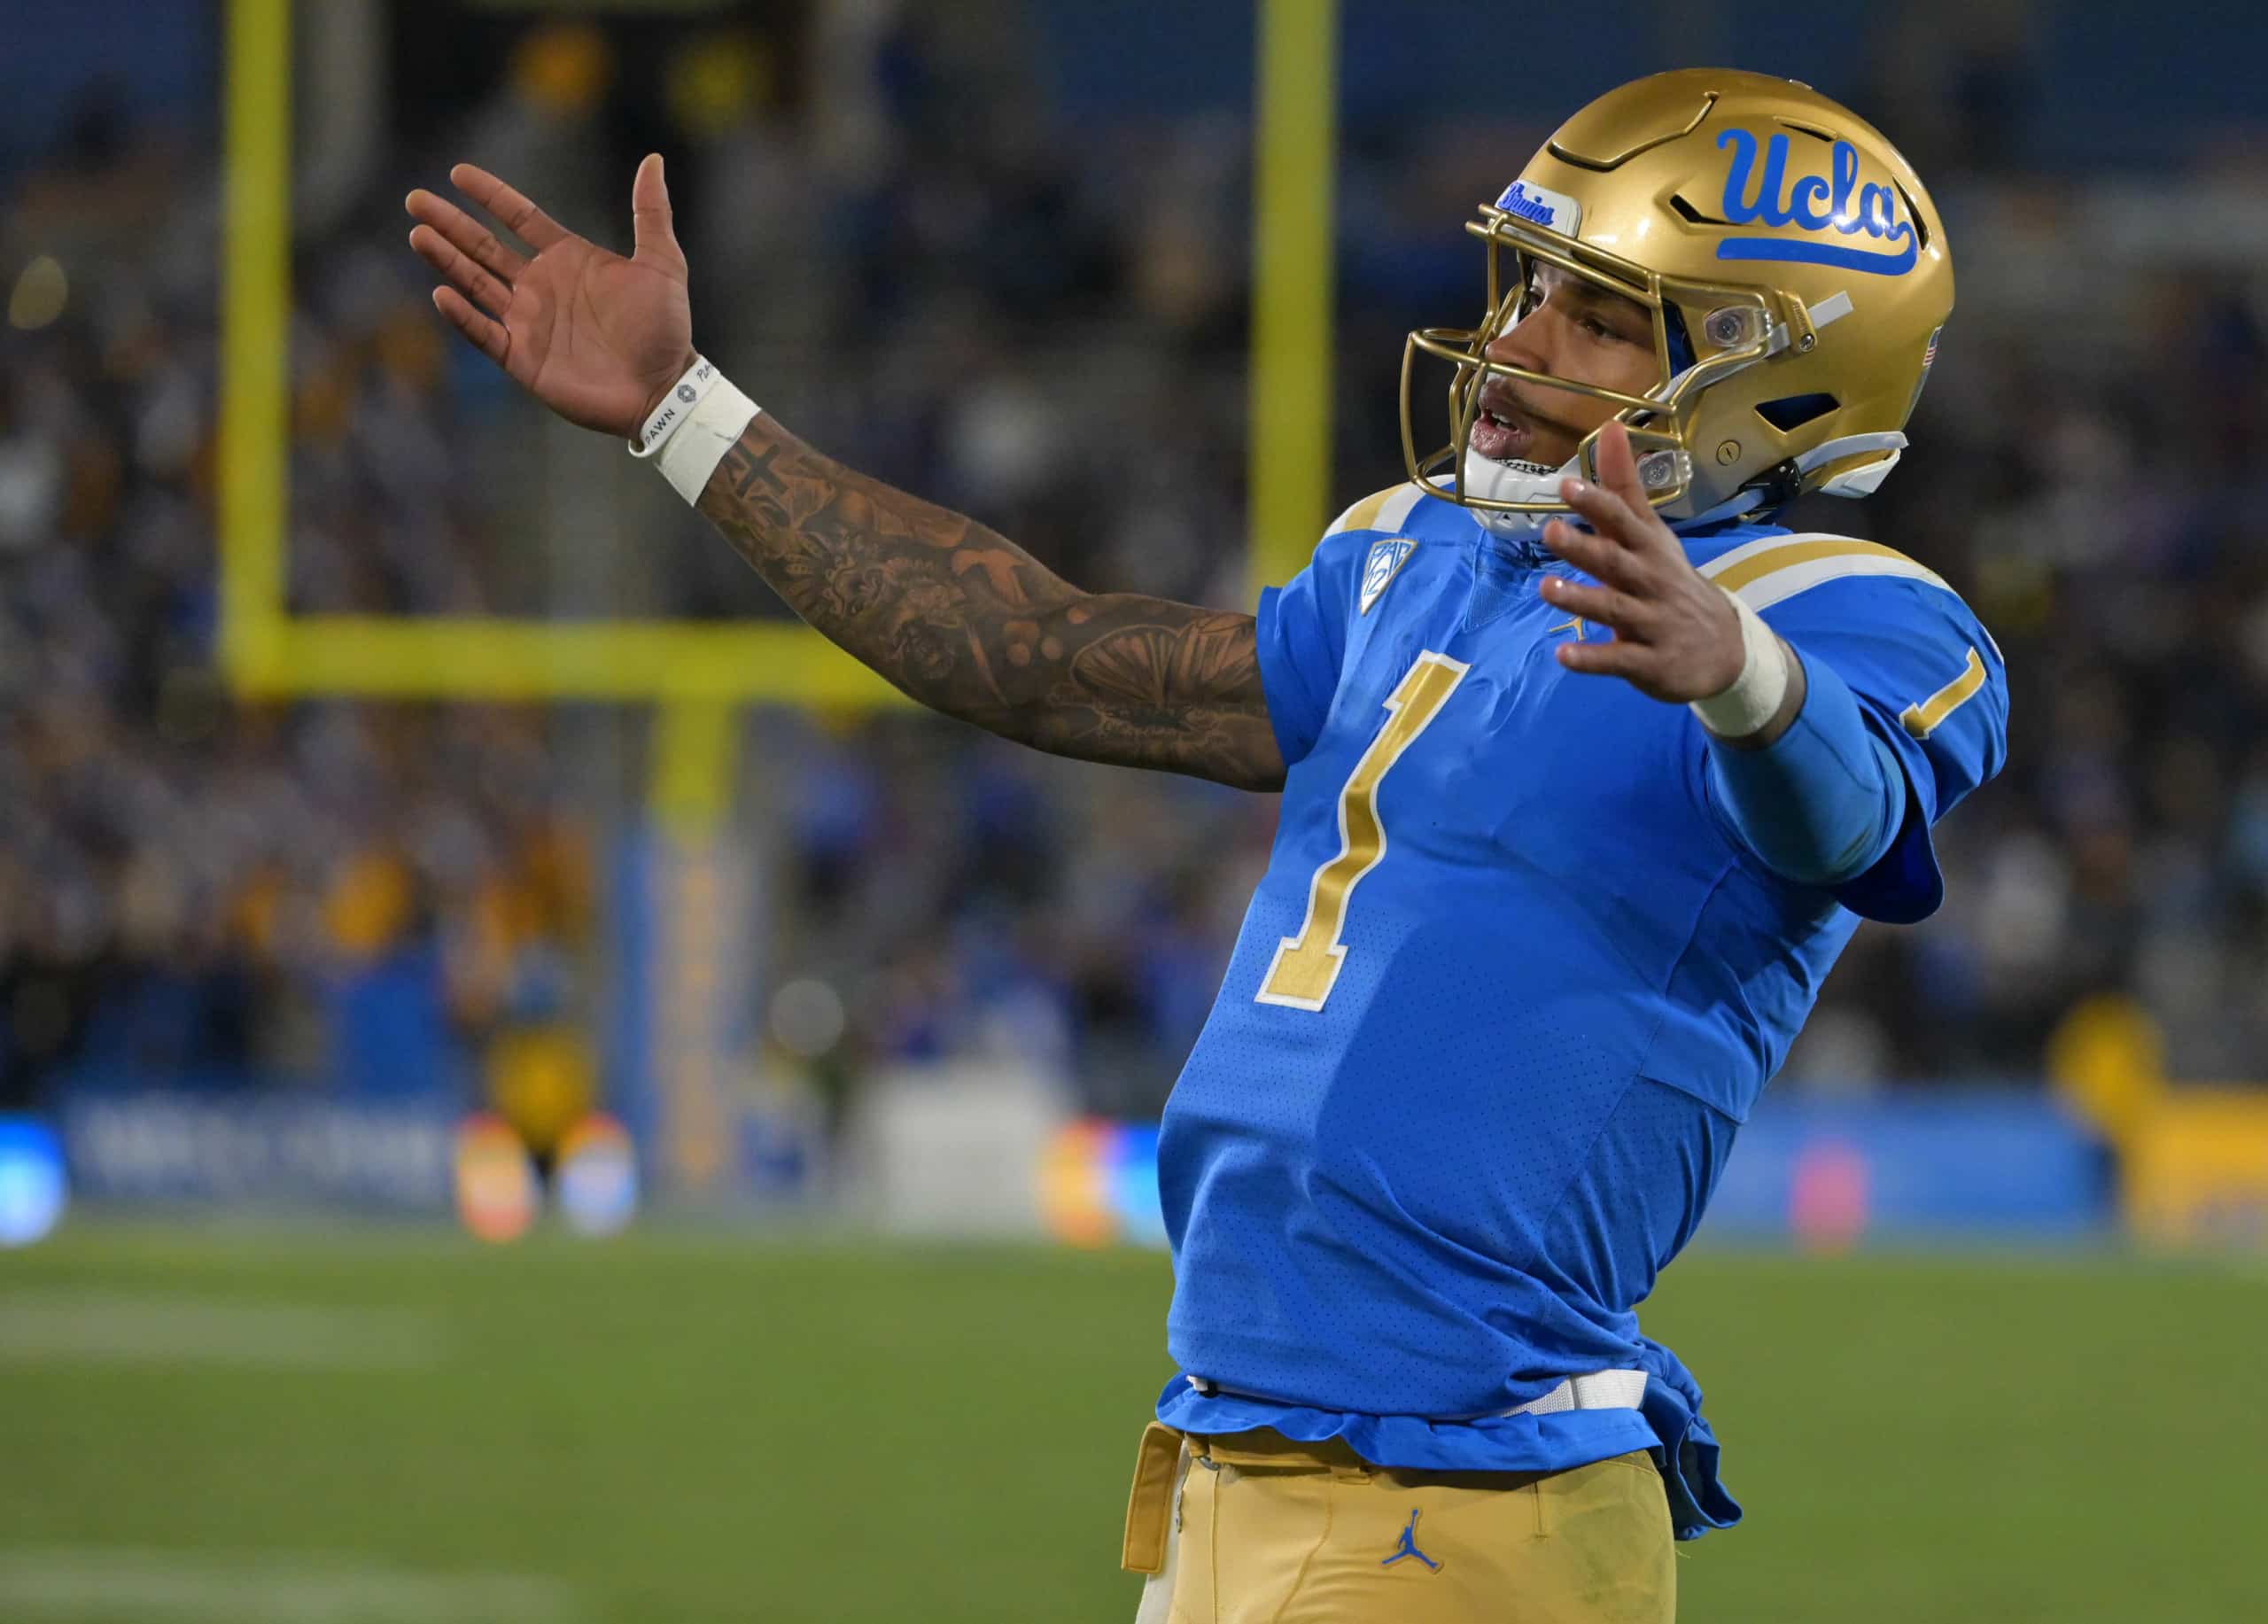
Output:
x,y
1508,990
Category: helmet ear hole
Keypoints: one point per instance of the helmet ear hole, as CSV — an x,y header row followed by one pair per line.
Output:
x,y
1913,214
1790,413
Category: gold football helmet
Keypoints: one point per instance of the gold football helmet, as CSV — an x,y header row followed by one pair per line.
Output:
x,y
1795,270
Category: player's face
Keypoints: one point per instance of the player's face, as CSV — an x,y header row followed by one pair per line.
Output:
x,y
1574,330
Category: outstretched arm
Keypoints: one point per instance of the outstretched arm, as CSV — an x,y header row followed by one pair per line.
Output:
x,y
969,624
956,615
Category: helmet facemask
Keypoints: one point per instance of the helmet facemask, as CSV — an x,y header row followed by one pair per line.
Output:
x,y
1738,327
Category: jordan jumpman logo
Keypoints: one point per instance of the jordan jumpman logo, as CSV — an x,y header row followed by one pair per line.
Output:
x,y
1409,1548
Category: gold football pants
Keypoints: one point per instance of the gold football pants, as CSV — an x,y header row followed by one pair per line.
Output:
x,y
1250,1528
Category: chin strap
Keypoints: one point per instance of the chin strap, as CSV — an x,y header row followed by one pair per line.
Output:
x,y
1504,482
1731,508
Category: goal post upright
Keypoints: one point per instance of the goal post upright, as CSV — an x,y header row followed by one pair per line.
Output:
x,y
253,471
268,652
1295,154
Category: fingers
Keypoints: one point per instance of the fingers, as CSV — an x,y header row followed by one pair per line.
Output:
x,y
1618,465
1594,553
491,296
1601,605
1606,659
489,338
654,234
522,218
1617,505
466,235
1608,514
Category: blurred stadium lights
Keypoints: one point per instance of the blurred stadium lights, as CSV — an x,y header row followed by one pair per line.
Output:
x,y
33,1185
498,1197
597,1184
40,292
1099,1185
807,1017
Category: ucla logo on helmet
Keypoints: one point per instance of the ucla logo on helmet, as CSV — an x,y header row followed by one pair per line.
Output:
x,y
1384,563
1834,202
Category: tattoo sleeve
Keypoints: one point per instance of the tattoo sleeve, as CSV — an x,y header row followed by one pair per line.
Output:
x,y
967,623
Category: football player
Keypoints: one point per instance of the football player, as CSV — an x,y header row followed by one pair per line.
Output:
x,y
1590,771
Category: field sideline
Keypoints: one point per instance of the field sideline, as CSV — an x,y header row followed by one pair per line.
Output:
x,y
388,1428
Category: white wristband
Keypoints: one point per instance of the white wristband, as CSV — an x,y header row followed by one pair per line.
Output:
x,y
676,407
694,426
1757,694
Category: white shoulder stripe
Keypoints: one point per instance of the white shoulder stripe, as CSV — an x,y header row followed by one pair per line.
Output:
x,y
1784,583
1381,510
1776,567
1397,511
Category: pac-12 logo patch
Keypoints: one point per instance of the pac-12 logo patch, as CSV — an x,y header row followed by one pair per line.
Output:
x,y
1384,563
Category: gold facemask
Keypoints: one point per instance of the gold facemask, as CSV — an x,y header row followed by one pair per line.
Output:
x,y
1788,258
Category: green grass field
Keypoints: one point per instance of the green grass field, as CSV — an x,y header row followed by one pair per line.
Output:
x,y
374,1427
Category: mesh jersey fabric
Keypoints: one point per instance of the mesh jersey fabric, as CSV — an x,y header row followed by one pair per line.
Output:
x,y
1445,1189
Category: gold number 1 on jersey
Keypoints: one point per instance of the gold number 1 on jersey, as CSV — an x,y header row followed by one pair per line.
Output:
x,y
1306,966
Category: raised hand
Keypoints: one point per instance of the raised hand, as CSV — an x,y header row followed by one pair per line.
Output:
x,y
596,337
1676,636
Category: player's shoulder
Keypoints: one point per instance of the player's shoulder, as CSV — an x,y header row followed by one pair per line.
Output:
x,y
1894,628
1400,512
1765,567
1381,513
1817,580
1374,539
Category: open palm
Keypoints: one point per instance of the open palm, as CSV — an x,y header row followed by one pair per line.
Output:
x,y
597,337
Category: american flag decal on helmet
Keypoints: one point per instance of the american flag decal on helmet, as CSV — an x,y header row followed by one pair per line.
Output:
x,y
1384,563
1929,358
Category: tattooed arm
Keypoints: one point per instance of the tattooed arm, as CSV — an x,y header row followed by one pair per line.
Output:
x,y
963,620
969,624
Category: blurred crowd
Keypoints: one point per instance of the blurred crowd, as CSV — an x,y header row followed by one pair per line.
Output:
x,y
904,246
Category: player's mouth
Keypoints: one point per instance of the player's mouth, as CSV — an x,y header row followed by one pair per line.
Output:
x,y
1502,431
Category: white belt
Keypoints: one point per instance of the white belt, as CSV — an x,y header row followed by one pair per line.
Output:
x,y
1599,1390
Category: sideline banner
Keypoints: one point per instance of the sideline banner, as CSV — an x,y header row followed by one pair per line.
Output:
x,y
156,1147
1919,1164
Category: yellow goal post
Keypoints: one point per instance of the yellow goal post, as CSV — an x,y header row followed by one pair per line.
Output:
x,y
697,671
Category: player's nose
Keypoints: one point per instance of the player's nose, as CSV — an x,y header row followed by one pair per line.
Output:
x,y
1520,347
